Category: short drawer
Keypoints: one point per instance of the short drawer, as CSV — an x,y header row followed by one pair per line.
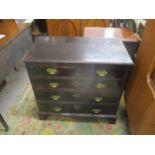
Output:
x,y
76,83
78,96
77,108
93,71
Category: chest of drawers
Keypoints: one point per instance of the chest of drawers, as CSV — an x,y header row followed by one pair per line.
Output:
x,y
75,76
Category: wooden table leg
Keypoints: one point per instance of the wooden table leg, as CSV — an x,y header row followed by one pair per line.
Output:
x,y
4,123
2,84
16,69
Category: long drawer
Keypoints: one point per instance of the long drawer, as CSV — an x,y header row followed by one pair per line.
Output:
x,y
78,95
94,71
77,108
76,83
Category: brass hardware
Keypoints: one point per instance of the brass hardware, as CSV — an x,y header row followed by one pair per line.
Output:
x,y
76,83
96,111
53,84
101,72
100,85
98,99
76,95
55,97
57,109
52,70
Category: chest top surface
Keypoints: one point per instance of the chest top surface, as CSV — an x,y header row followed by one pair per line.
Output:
x,y
79,50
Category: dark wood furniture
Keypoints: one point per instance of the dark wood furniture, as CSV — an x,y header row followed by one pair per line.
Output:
x,y
75,76
4,123
131,42
140,92
13,47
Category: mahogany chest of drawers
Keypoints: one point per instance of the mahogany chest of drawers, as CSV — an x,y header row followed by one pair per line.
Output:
x,y
75,76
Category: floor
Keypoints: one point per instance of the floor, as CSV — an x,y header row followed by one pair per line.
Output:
x,y
19,108
10,95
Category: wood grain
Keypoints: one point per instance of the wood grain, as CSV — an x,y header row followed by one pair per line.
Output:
x,y
73,27
8,28
139,97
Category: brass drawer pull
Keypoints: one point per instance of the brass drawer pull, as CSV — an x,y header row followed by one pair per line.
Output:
x,y
100,85
101,73
52,70
53,84
57,109
98,99
96,111
55,97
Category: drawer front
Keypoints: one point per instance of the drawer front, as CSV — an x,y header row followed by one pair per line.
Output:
x,y
78,96
76,83
93,71
77,108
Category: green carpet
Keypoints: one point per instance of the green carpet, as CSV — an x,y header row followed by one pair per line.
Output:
x,y
23,120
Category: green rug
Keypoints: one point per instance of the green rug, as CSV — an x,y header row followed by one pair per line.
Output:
x,y
23,120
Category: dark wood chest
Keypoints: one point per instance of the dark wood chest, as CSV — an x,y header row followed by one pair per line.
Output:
x,y
75,76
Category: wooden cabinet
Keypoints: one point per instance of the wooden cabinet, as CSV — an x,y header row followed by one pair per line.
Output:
x,y
93,23
76,76
140,92
9,28
72,27
130,41
64,27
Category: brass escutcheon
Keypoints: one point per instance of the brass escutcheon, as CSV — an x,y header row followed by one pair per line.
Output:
x,y
98,99
100,85
57,109
55,97
101,73
52,70
96,111
53,84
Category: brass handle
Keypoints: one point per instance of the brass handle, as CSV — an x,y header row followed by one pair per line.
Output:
x,y
55,97
101,73
53,84
52,70
98,99
100,85
96,111
57,109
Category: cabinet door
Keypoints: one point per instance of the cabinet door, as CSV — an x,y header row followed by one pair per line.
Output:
x,y
63,27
